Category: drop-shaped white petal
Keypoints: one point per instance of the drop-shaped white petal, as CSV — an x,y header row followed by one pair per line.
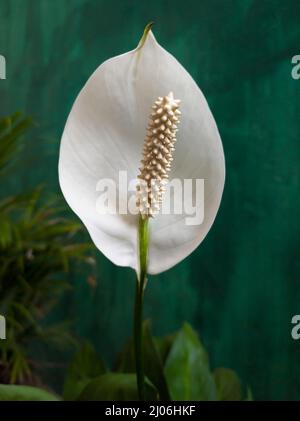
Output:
x,y
105,134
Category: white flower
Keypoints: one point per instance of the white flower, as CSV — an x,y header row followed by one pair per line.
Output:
x,y
105,134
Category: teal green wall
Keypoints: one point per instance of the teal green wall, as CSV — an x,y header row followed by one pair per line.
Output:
x,y
241,287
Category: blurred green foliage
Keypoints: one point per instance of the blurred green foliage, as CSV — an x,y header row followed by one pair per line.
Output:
x,y
85,366
37,244
9,392
177,368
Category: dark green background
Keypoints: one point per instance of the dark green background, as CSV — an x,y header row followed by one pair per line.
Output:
x,y
240,288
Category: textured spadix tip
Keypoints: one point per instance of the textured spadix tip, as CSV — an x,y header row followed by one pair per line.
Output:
x,y
157,154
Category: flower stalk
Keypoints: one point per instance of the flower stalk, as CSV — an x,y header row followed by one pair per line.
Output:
x,y
139,300
155,166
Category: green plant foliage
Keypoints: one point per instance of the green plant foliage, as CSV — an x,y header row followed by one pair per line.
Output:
x,y
249,396
116,387
178,366
85,366
163,345
187,368
153,362
228,385
11,129
10,392
37,244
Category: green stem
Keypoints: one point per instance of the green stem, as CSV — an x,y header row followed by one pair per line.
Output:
x,y
138,311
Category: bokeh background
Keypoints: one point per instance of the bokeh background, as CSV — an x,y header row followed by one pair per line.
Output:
x,y
241,287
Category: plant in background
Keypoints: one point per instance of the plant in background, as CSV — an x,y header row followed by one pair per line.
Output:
x,y
36,246
177,368
105,134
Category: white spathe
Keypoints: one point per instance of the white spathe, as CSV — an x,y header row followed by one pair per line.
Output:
x,y
105,133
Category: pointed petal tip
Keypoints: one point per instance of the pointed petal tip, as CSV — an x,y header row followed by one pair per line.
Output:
x,y
148,28
147,35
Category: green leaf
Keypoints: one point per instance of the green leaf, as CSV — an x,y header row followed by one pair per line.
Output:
x,y
228,385
153,363
164,345
116,387
10,392
187,368
249,396
85,366
125,361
